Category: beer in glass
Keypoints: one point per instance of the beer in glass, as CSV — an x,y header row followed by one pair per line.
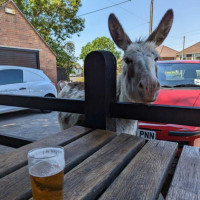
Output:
x,y
46,169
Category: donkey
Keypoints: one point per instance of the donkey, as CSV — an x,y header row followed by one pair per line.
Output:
x,y
138,80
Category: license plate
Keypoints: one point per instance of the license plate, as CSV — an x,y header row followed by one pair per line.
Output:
x,y
148,135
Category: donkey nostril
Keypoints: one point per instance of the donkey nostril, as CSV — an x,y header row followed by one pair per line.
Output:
x,y
141,86
158,84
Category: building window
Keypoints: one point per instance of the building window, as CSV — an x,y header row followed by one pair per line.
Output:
x,y
197,56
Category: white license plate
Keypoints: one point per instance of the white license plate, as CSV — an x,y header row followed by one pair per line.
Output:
x,y
148,135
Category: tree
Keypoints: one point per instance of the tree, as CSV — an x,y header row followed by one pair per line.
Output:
x,y
65,55
56,21
100,43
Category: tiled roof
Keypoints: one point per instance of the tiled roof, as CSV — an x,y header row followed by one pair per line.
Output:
x,y
195,48
165,51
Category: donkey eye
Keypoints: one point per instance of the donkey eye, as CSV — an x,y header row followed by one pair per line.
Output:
x,y
128,60
156,59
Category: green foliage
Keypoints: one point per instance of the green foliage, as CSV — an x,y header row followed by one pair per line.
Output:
x,y
100,43
65,56
119,65
56,21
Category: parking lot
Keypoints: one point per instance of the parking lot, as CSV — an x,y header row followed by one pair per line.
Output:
x,y
30,124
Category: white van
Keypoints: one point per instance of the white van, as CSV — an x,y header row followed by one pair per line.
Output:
x,y
24,81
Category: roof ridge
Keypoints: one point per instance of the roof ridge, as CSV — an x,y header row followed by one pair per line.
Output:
x,y
171,48
161,49
5,3
188,47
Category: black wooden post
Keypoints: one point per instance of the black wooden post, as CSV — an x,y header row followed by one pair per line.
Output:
x,y
100,89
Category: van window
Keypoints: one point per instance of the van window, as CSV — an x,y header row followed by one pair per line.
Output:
x,y
11,76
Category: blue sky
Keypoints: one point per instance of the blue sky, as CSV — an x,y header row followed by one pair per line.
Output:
x,y
134,17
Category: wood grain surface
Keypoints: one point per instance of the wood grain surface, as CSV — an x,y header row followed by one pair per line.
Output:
x,y
176,193
92,176
16,185
186,181
12,161
144,176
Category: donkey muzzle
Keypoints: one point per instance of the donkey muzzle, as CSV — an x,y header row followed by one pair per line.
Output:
x,y
148,89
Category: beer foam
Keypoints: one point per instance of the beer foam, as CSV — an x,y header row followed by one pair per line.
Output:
x,y
44,169
47,152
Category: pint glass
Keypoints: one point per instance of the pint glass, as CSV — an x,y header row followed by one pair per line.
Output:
x,y
46,169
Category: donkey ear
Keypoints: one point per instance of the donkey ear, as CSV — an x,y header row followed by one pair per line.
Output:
x,y
117,33
161,32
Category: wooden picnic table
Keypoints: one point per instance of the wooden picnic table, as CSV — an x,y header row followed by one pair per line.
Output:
x,y
104,165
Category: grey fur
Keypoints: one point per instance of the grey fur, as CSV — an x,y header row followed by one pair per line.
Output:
x,y
138,80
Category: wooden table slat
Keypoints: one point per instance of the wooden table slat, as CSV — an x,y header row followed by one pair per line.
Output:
x,y
79,150
87,180
145,175
76,152
14,160
5,149
186,180
181,194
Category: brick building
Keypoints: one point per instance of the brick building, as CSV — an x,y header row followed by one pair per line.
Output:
x,y
166,53
190,53
21,44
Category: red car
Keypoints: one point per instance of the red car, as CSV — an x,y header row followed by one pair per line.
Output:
x,y
180,86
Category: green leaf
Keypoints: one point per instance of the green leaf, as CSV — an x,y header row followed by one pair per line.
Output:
x,y
56,21
100,43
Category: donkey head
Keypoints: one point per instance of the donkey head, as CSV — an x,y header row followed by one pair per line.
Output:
x,y
139,81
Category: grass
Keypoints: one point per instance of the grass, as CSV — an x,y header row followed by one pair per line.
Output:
x,y
79,79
